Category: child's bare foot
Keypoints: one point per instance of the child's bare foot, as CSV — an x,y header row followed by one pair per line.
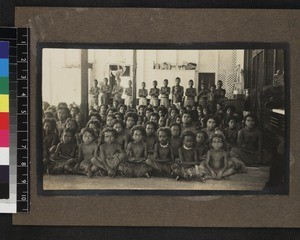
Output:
x,y
177,178
202,179
89,174
147,175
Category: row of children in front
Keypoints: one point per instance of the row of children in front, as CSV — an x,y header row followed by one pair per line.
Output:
x,y
100,151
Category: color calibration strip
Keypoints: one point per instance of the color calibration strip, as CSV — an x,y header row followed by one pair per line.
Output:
x,y
18,117
4,120
9,205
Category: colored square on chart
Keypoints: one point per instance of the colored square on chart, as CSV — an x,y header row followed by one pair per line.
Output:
x,y
4,138
4,85
4,174
4,156
4,190
4,120
4,67
4,103
4,49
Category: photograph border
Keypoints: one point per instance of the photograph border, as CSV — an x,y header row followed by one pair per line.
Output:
x,y
163,46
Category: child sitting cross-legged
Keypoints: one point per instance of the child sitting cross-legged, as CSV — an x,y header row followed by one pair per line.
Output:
x,y
110,153
122,137
163,155
64,152
137,154
188,155
86,151
218,164
249,142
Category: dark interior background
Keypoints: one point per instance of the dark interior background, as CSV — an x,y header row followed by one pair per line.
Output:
x,y
7,231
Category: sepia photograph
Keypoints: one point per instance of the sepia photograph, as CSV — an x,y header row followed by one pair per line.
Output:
x,y
203,120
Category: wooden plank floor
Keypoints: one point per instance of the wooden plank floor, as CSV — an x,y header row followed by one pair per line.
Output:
x,y
255,179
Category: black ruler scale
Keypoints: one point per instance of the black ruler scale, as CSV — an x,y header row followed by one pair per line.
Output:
x,y
19,110
23,164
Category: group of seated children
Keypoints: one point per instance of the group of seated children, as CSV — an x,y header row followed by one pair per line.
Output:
x,y
187,143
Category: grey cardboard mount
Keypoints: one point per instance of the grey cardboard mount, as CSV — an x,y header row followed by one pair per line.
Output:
x,y
117,25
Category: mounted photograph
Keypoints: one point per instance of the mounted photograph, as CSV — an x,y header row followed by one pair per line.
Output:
x,y
192,119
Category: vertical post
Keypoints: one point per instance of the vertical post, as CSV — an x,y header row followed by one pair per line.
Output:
x,y
134,79
84,86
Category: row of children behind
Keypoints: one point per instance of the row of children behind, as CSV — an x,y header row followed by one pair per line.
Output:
x,y
160,96
124,138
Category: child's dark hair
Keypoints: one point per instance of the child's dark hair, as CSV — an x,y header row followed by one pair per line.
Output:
x,y
105,107
109,129
52,108
232,108
163,109
129,109
175,124
96,115
173,109
164,120
214,117
111,109
119,113
220,81
138,128
46,104
155,81
49,113
95,122
182,109
218,136
89,130
76,108
207,110
75,123
65,108
68,130
204,134
52,122
213,85
132,115
62,104
178,116
191,113
141,107
155,114
147,109
234,118
110,115
188,133
165,130
115,121
154,125
250,115
122,105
